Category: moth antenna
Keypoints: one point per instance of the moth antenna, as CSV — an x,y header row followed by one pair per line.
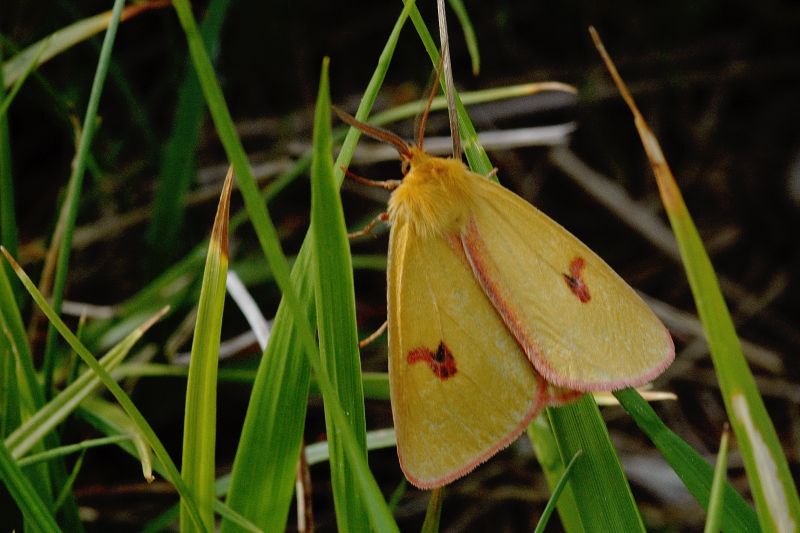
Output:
x,y
423,121
376,133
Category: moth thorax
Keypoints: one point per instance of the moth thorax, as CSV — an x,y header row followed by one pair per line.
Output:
x,y
435,197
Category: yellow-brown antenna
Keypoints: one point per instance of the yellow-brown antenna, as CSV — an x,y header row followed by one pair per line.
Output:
x,y
427,110
376,133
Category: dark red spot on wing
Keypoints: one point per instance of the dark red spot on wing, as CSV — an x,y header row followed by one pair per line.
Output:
x,y
575,280
441,362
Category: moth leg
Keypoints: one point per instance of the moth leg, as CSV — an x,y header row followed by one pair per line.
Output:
x,y
367,230
389,185
492,173
374,335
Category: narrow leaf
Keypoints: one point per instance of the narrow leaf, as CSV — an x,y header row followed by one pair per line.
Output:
x,y
556,494
200,418
604,498
69,210
178,162
715,504
336,315
767,469
434,513
689,465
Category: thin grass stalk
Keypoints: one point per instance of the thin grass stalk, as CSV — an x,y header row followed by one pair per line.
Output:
x,y
69,211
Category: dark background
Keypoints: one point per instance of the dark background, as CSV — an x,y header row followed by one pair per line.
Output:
x,y
718,82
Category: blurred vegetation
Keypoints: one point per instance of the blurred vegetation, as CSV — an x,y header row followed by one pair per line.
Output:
x,y
717,81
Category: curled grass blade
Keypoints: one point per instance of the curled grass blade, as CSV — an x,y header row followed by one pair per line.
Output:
x,y
111,420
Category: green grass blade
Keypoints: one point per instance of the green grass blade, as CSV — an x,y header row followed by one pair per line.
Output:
x,y
469,34
433,514
8,217
33,508
336,315
605,502
559,488
200,419
14,331
178,164
545,448
693,470
10,415
767,469
123,399
69,211
774,490
22,372
262,486
715,504
68,449
7,99
65,493
111,420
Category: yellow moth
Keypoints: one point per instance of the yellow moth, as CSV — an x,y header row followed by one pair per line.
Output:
x,y
495,311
